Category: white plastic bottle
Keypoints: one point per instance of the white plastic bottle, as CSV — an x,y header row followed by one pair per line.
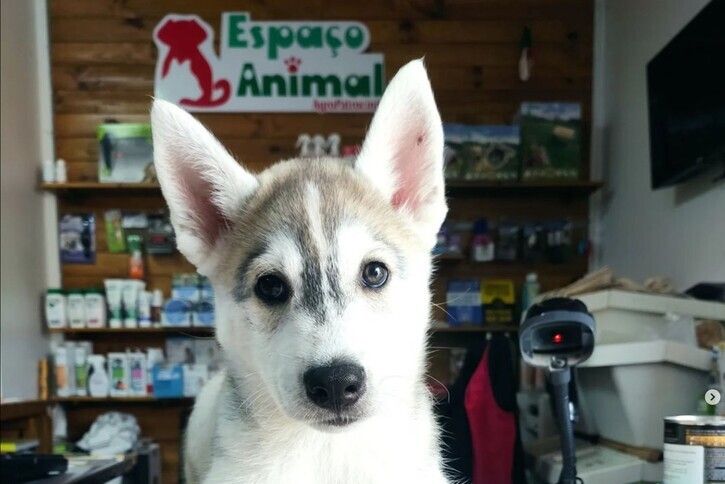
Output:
x,y
76,310
55,308
97,376
95,309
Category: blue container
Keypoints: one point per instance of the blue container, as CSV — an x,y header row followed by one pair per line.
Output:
x,y
168,381
463,300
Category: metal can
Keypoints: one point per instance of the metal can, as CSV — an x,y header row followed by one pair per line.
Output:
x,y
694,449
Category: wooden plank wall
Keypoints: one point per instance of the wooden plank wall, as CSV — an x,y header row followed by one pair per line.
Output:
x,y
103,65
103,60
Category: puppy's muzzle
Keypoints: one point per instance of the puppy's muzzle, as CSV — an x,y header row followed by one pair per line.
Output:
x,y
335,387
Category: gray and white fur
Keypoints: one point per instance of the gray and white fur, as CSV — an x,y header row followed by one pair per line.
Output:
x,y
324,380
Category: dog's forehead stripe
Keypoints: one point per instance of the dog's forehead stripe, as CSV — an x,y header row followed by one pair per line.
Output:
x,y
310,205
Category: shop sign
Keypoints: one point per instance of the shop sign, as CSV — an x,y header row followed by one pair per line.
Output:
x,y
275,66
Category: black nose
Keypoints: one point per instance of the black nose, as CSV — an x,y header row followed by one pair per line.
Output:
x,y
335,387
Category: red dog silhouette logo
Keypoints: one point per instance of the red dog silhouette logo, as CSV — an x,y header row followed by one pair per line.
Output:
x,y
187,38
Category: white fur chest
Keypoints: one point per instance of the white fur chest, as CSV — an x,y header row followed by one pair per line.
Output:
x,y
386,449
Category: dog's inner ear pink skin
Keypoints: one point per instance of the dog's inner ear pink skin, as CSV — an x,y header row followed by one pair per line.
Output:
x,y
410,174
402,155
208,218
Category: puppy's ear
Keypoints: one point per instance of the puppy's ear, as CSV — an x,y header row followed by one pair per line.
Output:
x,y
403,152
203,185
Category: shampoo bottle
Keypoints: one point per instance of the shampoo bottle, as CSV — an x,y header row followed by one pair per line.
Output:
x,y
97,376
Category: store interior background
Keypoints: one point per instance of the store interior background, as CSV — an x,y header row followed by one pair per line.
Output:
x,y
639,232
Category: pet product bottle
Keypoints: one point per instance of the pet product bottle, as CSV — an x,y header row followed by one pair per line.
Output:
x,y
137,367
60,371
81,370
119,374
61,174
97,377
55,308
95,309
76,310
157,302
135,260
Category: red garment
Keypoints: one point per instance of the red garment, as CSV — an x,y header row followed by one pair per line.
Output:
x,y
493,430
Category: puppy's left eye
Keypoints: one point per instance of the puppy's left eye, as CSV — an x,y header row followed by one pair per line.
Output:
x,y
375,274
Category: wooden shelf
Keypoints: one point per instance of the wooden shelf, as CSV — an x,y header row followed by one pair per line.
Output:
x,y
192,330
116,400
469,188
444,328
479,188
82,185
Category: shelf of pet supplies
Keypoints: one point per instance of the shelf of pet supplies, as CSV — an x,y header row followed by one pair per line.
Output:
x,y
453,187
120,400
481,188
440,327
185,330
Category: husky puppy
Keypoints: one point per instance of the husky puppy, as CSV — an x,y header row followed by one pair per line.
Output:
x,y
321,274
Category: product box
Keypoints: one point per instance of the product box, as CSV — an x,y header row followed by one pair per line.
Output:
x,y
125,153
463,302
77,238
482,152
551,140
498,301
168,381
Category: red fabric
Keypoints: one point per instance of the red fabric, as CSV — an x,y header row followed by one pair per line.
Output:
x,y
493,430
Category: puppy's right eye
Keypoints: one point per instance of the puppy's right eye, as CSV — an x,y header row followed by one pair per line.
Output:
x,y
272,289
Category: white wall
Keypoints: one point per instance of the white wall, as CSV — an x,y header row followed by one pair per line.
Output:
x,y
24,141
678,232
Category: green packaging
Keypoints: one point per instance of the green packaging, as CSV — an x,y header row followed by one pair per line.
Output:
x,y
550,140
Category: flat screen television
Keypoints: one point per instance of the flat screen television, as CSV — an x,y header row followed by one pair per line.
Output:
x,y
686,94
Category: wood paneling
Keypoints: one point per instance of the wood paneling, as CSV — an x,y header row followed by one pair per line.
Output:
x,y
103,57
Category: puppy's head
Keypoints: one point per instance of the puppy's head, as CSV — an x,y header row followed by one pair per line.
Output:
x,y
320,267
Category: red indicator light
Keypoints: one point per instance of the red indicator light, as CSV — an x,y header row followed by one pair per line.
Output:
x,y
557,338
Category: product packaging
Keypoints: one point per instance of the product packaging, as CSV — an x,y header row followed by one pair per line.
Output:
x,y
144,309
55,308
463,302
168,381
204,310
482,245
98,382
498,301
118,374
81,370
95,308
137,366
61,369
507,244
77,238
550,140
76,309
486,152
114,288
125,152
115,238
130,296
157,304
